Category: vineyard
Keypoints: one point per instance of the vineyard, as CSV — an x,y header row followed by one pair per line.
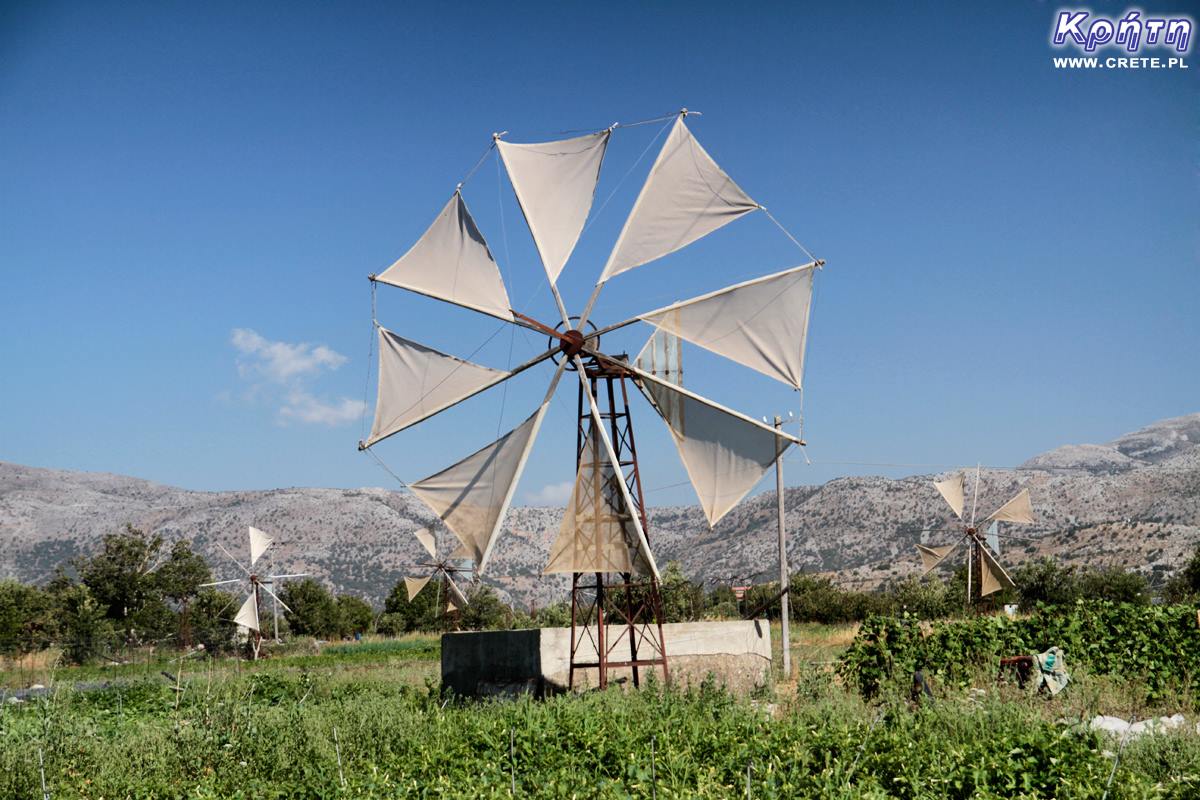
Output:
x,y
369,720
1156,648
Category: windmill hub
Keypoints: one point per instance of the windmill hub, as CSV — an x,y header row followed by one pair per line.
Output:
x,y
571,343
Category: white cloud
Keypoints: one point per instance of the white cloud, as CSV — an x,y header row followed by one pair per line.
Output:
x,y
303,407
280,362
552,494
279,372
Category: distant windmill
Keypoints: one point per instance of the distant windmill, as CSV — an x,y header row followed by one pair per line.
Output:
x,y
248,615
446,568
980,550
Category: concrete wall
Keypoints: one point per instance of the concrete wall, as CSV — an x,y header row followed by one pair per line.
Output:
x,y
737,654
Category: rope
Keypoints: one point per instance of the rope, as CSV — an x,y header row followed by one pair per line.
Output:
x,y
478,164
386,469
786,233
367,380
508,269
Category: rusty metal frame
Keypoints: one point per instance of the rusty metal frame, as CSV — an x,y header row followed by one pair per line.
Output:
x,y
604,601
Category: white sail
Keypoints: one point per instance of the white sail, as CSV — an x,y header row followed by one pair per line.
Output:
x,y
555,183
993,537
416,382
414,586
993,578
724,453
761,324
472,496
247,615
425,537
951,490
932,556
452,262
662,356
685,197
596,534
1019,509
259,542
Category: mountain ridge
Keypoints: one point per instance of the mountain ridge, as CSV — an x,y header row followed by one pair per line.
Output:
x,y
1133,502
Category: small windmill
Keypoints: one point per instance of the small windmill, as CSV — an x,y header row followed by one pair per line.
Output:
x,y
446,568
248,615
982,548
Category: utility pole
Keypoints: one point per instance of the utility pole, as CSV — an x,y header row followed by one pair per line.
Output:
x,y
783,565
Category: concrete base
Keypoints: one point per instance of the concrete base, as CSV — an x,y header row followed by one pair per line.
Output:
x,y
737,654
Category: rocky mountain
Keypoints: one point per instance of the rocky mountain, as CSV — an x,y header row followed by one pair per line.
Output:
x,y
1134,502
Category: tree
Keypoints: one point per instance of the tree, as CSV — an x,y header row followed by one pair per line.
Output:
x,y
485,611
354,614
400,615
1045,581
85,632
210,619
1185,584
27,620
117,576
180,576
1115,584
313,611
683,601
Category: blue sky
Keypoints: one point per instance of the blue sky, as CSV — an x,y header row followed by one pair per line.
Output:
x,y
193,195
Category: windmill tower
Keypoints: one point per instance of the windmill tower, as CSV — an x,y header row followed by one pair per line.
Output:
x,y
248,615
444,569
603,541
982,549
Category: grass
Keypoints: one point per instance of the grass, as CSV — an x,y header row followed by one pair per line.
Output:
x,y
367,720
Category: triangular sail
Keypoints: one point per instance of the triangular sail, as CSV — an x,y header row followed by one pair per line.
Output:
x,y
472,495
460,552
416,382
725,454
951,490
259,542
761,324
247,615
685,197
662,355
414,586
932,556
425,537
993,537
596,534
555,183
993,578
452,262
1019,509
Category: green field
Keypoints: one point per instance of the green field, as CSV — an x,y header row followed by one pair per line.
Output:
x,y
369,720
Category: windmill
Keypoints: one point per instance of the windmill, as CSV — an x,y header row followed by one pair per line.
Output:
x,y
983,549
602,542
248,615
445,569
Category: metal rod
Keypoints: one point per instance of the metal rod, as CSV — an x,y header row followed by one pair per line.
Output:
x,y
784,575
1117,758
338,749
653,776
